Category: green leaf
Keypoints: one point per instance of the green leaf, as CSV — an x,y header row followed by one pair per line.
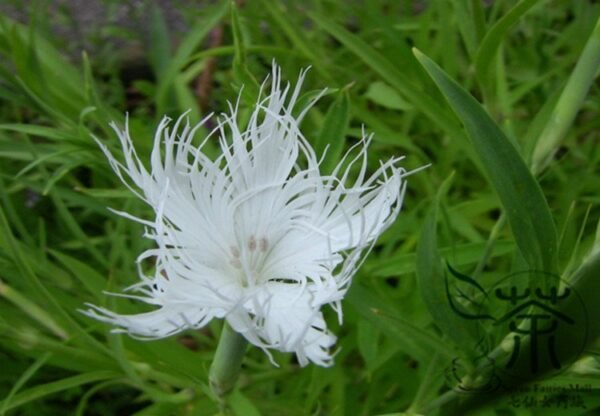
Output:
x,y
241,405
384,95
332,136
469,24
42,390
34,311
415,341
570,101
30,372
368,342
280,16
188,45
526,208
573,339
242,74
42,70
494,37
460,254
160,41
433,283
394,76
40,131
94,282
11,245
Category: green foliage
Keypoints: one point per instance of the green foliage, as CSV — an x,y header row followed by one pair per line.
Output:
x,y
500,102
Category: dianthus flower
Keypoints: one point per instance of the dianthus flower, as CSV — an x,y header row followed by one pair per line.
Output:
x,y
257,235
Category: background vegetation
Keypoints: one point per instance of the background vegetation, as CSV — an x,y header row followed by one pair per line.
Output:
x,y
60,247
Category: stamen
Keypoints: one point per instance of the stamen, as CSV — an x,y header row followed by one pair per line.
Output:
x,y
235,252
263,244
252,243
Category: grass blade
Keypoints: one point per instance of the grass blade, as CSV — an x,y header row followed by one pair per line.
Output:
x,y
332,137
391,74
23,379
433,283
193,38
493,38
414,340
570,100
42,390
32,310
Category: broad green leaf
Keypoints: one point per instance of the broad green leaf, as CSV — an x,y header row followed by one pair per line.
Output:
x,y
332,136
527,210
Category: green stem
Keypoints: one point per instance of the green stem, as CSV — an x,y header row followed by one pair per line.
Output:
x,y
569,102
227,363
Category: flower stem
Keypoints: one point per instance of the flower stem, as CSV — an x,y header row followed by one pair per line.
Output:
x,y
227,363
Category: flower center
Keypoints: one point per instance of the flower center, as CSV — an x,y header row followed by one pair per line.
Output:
x,y
249,259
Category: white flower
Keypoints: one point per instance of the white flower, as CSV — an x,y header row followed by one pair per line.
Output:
x,y
256,236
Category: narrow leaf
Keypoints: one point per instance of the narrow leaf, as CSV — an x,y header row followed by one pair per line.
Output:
x,y
294,32
331,138
89,277
494,37
527,210
391,74
188,45
43,390
241,72
570,100
415,341
32,310
433,283
160,41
